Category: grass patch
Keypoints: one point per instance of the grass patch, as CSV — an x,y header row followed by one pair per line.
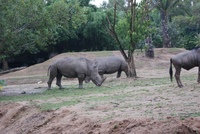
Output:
x,y
29,77
111,91
72,91
194,114
183,117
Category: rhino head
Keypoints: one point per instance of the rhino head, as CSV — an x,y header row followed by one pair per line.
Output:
x,y
94,75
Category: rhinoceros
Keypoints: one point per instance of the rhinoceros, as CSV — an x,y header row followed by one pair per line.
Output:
x,y
74,68
109,65
186,60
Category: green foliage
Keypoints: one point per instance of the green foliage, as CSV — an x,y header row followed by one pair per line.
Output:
x,y
183,23
24,26
66,17
187,28
122,28
197,39
33,25
2,83
155,24
141,27
75,25
93,35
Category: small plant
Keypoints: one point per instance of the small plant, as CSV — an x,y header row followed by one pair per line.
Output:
x,y
182,117
115,126
2,83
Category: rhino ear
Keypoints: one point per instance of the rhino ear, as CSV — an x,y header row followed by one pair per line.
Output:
x,y
95,64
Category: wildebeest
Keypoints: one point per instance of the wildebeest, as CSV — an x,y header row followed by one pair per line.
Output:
x,y
74,68
186,60
109,65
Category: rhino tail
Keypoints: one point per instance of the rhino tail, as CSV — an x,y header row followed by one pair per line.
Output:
x,y
48,71
170,70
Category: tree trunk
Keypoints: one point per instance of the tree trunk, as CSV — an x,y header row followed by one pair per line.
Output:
x,y
149,51
131,65
165,35
130,61
130,58
5,64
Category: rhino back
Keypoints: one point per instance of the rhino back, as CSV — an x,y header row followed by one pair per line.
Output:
x,y
72,67
109,64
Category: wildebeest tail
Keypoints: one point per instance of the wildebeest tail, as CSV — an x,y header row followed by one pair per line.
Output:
x,y
48,70
170,70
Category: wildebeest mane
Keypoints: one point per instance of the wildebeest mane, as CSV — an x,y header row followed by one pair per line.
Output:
x,y
197,47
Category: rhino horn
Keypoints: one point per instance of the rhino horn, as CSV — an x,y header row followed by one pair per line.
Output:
x,y
103,79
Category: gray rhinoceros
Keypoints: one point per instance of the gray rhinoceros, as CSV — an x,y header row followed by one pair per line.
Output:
x,y
74,68
109,65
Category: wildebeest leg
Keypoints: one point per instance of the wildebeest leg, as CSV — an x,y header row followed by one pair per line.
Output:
x,y
198,80
177,76
58,80
119,73
51,77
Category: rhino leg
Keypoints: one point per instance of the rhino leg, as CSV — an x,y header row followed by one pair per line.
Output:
x,y
198,80
126,72
80,80
51,77
119,73
177,76
102,76
87,79
58,80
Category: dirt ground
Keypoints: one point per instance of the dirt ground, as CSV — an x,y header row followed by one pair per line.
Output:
x,y
131,115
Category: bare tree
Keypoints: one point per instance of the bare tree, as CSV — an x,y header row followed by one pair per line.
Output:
x,y
135,32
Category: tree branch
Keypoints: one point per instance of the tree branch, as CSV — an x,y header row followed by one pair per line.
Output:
x,y
21,28
114,34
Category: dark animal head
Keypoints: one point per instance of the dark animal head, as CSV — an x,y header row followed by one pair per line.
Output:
x,y
94,75
197,49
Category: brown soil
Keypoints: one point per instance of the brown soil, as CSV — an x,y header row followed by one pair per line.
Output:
x,y
23,118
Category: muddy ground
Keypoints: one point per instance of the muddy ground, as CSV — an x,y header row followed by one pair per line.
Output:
x,y
153,107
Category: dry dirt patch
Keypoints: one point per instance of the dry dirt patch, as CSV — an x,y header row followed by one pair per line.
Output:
x,y
24,119
149,105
